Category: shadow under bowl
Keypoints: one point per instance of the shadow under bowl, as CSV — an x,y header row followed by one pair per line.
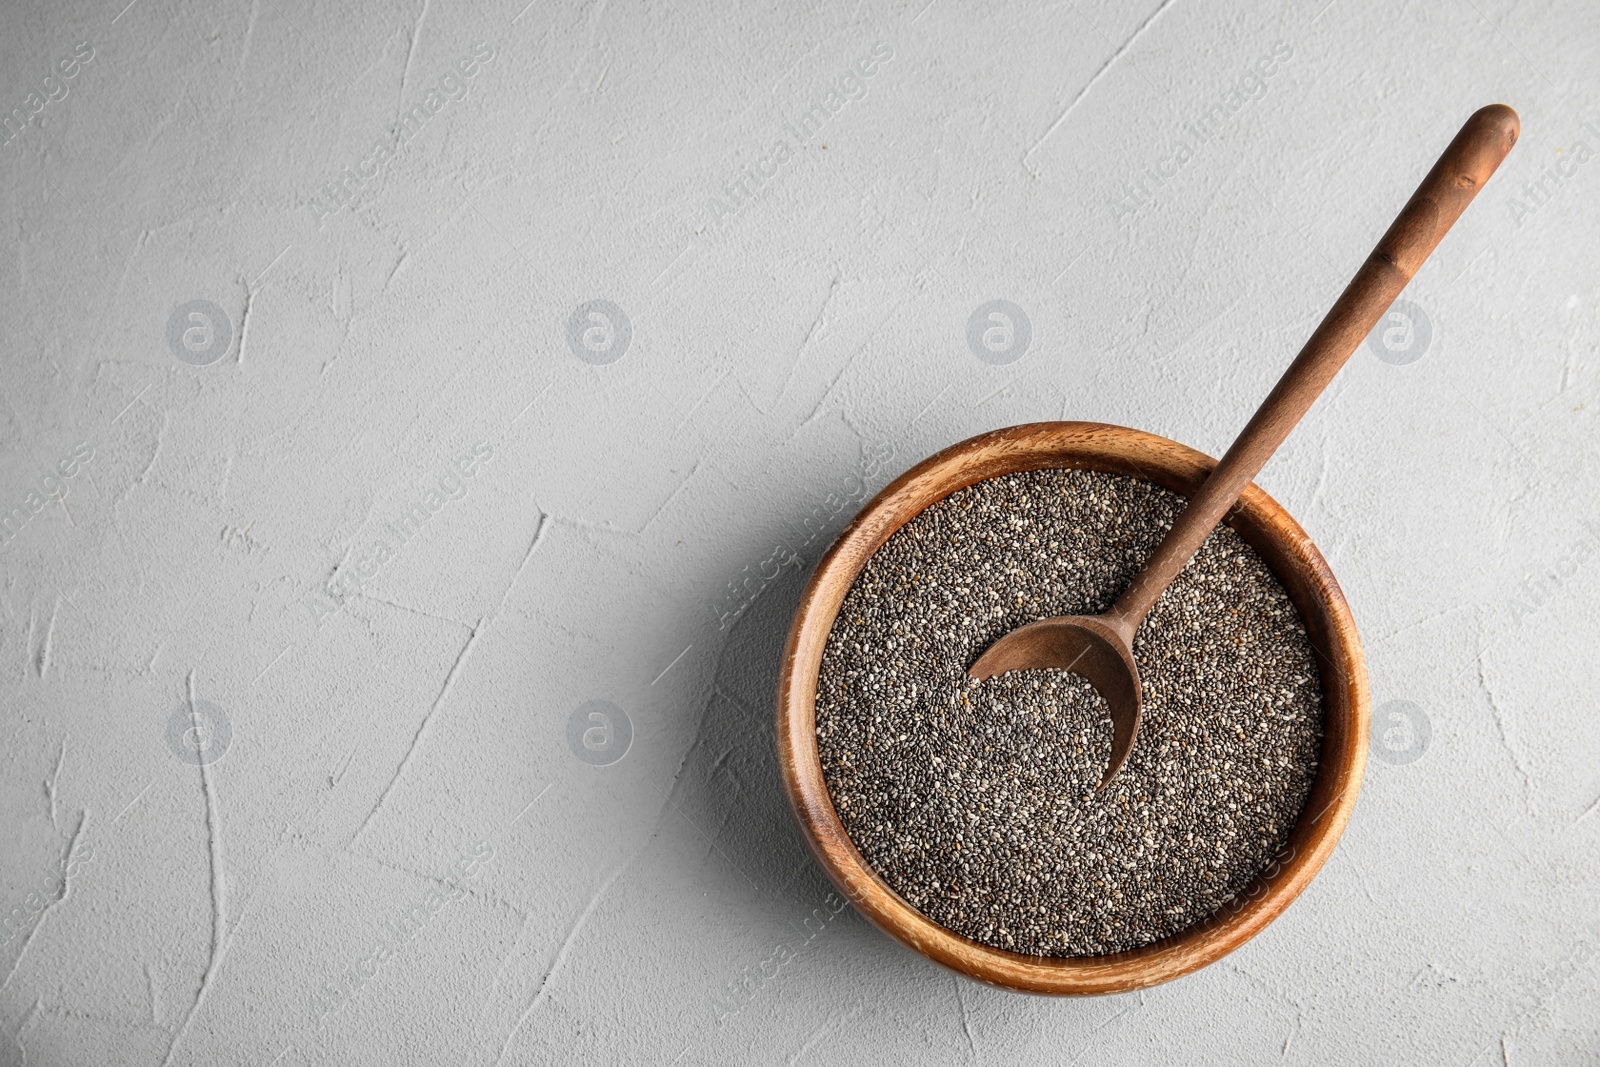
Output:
x,y
1263,524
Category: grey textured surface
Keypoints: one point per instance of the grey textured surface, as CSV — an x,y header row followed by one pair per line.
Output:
x,y
414,841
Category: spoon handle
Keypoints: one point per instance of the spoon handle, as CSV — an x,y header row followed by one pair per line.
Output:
x,y
1441,198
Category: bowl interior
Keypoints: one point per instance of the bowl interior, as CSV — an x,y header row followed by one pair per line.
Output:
x,y
1263,524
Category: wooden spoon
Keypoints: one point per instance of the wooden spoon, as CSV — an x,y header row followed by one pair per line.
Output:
x,y
1100,647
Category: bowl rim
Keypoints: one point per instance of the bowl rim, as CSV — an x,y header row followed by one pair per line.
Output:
x,y
1262,522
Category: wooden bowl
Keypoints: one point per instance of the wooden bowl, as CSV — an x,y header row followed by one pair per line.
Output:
x,y
1260,521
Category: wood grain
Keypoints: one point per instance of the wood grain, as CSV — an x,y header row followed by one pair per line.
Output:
x,y
1261,522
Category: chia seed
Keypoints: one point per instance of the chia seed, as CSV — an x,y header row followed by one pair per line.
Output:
x,y
976,802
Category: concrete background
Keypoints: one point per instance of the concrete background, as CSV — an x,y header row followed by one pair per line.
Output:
x,y
393,831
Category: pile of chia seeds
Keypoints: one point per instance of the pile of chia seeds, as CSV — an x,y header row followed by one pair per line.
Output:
x,y
976,802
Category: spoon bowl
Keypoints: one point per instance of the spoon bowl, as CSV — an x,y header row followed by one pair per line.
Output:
x,y
1089,645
